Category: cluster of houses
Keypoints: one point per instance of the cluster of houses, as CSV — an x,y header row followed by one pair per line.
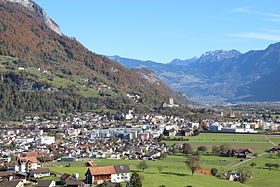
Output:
x,y
242,127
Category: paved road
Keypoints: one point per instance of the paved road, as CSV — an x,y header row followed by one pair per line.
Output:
x,y
270,141
239,163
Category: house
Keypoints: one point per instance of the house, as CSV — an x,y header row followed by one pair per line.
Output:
x,y
206,172
13,184
47,140
67,159
274,149
6,175
90,163
13,166
232,176
245,153
70,181
13,175
27,163
45,183
39,173
115,174
152,155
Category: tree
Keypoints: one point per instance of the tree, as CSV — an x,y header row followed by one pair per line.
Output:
x,y
143,165
245,174
276,166
215,150
135,180
196,132
214,171
269,165
187,148
162,137
253,164
202,149
193,164
163,155
225,149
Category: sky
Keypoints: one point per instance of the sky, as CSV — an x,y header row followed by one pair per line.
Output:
x,y
162,30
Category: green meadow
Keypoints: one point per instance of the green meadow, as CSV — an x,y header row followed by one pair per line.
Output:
x,y
175,173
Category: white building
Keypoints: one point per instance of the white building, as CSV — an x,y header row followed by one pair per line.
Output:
x,y
46,140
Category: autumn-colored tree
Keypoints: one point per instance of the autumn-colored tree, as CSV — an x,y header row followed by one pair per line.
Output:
x,y
193,164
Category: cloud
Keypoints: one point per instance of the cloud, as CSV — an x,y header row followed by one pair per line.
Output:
x,y
269,14
273,16
240,10
272,30
253,35
274,19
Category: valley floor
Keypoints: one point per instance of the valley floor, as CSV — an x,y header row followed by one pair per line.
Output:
x,y
175,173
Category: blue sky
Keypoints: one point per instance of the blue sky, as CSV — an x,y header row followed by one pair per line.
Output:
x,y
161,30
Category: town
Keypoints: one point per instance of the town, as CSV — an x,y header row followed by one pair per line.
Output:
x,y
37,149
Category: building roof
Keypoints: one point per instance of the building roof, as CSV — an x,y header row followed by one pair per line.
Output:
x,y
11,183
6,173
106,170
65,176
122,169
44,183
91,163
207,172
41,170
31,159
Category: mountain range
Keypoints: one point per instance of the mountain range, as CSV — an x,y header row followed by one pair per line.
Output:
x,y
221,76
44,71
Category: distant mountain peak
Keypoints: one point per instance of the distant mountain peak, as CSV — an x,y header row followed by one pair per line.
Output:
x,y
40,12
218,55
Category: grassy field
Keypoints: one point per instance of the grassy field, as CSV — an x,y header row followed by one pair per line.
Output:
x,y
175,173
175,170
256,141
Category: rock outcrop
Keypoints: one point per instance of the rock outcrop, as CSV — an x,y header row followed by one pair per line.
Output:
x,y
40,12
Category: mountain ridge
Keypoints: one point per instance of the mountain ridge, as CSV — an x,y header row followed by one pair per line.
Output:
x,y
220,79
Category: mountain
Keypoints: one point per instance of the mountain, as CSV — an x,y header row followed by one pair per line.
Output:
x,y
222,76
44,71
209,57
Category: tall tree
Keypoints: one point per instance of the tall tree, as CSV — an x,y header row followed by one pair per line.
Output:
x,y
187,148
135,180
193,164
245,174
143,165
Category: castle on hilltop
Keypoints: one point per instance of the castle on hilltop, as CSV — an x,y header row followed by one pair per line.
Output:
x,y
170,104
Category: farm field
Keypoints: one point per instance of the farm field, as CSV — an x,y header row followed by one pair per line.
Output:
x,y
253,141
175,168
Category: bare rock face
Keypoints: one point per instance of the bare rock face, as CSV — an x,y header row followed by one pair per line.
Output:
x,y
40,12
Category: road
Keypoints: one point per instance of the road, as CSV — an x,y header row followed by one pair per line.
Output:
x,y
270,141
239,163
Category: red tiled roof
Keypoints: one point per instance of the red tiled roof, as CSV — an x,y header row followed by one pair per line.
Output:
x,y
107,170
207,172
91,163
32,159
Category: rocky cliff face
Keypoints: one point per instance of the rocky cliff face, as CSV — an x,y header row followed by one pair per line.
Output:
x,y
40,12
